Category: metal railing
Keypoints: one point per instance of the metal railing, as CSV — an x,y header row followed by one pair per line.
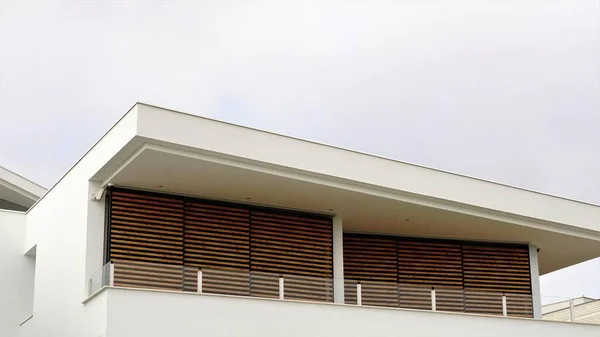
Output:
x,y
297,287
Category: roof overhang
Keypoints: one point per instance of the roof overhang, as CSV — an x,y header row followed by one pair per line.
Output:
x,y
18,190
183,154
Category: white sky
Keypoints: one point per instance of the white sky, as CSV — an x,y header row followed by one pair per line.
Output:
x,y
502,90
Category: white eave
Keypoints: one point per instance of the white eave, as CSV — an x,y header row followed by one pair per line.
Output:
x,y
18,190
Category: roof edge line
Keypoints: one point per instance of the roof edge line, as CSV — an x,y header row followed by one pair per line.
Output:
x,y
83,156
374,155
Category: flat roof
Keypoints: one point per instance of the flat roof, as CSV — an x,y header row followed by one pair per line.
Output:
x,y
19,190
174,152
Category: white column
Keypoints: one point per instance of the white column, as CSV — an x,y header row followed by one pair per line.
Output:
x,y
535,282
504,308
433,300
338,260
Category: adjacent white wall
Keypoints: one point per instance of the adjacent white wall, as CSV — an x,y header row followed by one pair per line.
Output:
x,y
68,228
157,314
16,274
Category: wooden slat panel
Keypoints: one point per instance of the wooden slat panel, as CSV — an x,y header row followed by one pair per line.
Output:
x,y
467,277
483,302
308,288
519,305
134,274
229,282
215,237
295,246
490,271
370,260
146,240
414,297
423,265
217,240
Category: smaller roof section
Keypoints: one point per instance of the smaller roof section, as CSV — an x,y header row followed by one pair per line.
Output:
x,y
16,192
585,310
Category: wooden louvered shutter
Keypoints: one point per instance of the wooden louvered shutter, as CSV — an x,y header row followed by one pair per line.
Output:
x,y
370,260
297,247
217,240
426,264
146,240
490,271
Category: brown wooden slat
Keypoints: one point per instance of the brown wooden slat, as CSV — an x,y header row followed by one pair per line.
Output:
x,y
217,242
423,265
490,272
148,229
372,262
300,248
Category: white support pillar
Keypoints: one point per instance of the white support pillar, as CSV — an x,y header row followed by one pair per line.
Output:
x,y
504,308
358,294
535,282
338,260
433,300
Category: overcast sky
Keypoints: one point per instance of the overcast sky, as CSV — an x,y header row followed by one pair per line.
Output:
x,y
507,91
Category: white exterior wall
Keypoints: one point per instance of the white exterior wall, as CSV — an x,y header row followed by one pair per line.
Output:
x,y
158,314
67,228
16,274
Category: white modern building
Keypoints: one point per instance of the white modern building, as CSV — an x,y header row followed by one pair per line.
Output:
x,y
173,224
17,194
582,309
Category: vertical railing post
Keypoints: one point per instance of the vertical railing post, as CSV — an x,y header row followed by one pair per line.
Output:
x,y
433,302
281,288
358,294
572,310
90,287
504,309
111,274
199,282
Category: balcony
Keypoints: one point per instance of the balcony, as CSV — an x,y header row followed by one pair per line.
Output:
x,y
239,232
226,303
261,285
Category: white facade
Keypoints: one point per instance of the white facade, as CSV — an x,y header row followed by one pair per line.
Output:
x,y
161,150
153,314
16,270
